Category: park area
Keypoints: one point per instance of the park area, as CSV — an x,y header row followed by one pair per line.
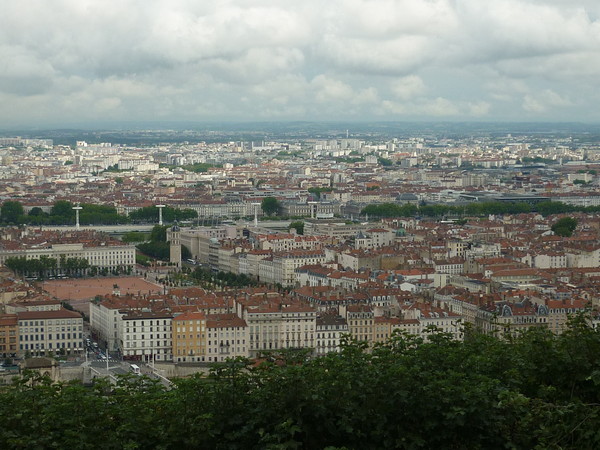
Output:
x,y
79,291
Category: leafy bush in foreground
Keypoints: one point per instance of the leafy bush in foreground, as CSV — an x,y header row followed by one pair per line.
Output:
x,y
535,391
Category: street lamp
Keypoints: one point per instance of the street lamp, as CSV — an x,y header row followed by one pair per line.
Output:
x,y
256,205
77,209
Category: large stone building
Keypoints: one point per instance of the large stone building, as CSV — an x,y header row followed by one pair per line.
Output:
x,y
45,332
198,240
146,336
104,321
281,267
332,227
98,249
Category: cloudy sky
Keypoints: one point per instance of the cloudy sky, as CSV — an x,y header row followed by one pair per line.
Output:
x,y
78,61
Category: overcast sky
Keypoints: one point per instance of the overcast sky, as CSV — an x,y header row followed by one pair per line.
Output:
x,y
77,61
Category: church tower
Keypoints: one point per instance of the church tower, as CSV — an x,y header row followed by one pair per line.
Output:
x,y
175,248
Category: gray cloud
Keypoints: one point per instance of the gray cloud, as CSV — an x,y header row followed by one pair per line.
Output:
x,y
73,60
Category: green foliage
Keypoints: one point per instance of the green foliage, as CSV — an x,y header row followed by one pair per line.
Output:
x,y
159,233
317,191
36,211
197,167
477,209
62,208
145,214
100,215
288,154
390,210
142,259
62,213
549,208
135,236
538,390
298,226
385,162
537,159
270,205
348,160
208,278
150,214
565,226
45,266
11,212
113,169
156,249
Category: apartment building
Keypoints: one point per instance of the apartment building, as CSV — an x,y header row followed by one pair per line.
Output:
x,y
281,267
146,336
264,325
360,320
9,335
298,326
226,337
515,317
104,321
329,329
56,331
189,337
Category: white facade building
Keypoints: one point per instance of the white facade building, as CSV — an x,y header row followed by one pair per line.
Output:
x,y
146,336
226,337
57,331
329,331
104,256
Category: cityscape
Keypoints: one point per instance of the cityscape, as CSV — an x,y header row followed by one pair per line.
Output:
x,y
261,225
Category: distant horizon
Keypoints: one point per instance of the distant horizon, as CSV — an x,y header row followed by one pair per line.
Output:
x,y
166,125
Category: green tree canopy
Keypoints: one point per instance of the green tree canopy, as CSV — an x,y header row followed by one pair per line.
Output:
x,y
298,226
11,211
156,249
565,226
62,208
270,205
150,214
135,236
390,210
317,191
475,209
36,211
538,390
159,233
